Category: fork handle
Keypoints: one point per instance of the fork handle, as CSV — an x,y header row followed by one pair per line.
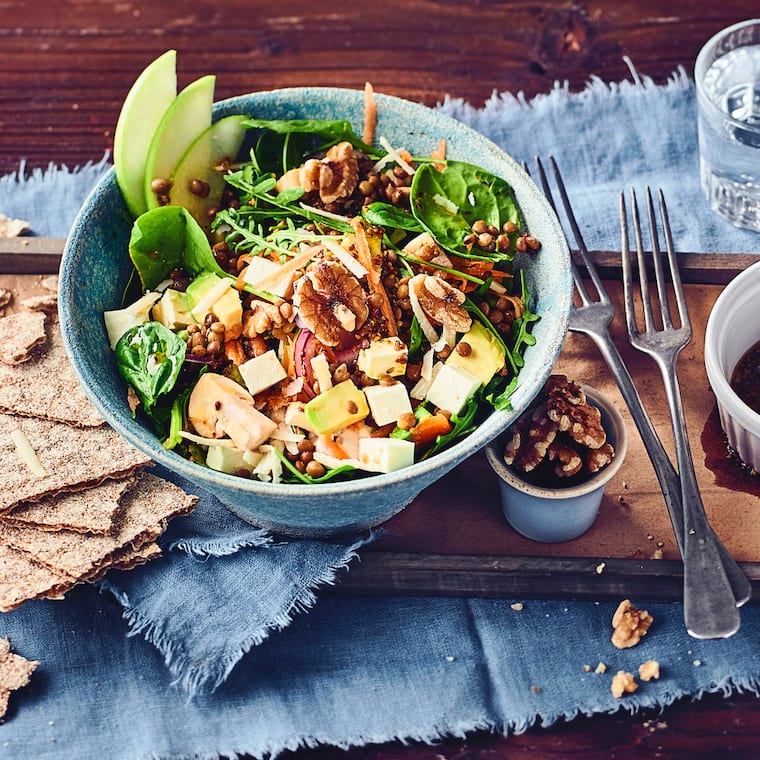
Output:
x,y
670,483
709,608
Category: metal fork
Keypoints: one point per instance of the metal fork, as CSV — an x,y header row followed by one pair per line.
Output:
x,y
709,604
593,318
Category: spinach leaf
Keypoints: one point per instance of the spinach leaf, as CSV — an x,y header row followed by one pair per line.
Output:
x,y
177,419
388,215
447,202
167,238
149,357
329,131
304,478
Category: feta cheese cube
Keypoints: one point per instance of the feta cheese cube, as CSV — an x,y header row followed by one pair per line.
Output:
x,y
262,372
386,356
387,402
452,387
385,454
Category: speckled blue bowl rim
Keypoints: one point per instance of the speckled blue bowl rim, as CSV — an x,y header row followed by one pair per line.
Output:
x,y
345,505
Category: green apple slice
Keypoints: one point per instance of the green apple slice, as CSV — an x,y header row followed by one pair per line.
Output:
x,y
198,181
186,118
146,103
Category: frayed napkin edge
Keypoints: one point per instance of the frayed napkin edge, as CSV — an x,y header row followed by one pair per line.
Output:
x,y
196,678
507,102
461,729
201,548
53,171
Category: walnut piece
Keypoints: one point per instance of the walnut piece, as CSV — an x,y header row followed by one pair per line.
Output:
x,y
596,459
329,300
582,421
335,176
630,625
623,683
649,670
564,428
441,301
263,316
530,440
568,460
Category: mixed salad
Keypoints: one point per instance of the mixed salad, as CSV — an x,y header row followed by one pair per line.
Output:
x,y
341,309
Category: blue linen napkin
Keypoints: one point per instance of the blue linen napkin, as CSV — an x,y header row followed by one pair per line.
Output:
x,y
178,659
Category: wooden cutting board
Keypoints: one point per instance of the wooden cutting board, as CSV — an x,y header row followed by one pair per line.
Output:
x,y
454,540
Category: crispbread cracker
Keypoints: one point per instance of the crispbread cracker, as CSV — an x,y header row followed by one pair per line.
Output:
x,y
148,506
47,303
45,385
74,458
15,672
20,332
128,559
21,578
93,510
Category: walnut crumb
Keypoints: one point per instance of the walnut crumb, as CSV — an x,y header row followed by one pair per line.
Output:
x,y
601,668
623,683
649,670
586,668
630,625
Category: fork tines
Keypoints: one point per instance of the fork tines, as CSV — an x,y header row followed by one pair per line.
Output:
x,y
657,265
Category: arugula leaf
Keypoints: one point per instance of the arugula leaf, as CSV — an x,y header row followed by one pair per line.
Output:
x,y
447,202
167,238
149,357
462,424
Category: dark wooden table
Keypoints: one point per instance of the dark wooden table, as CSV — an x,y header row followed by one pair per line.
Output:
x,y
65,67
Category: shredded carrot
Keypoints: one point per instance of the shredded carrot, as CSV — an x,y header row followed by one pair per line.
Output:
x,y
364,255
439,154
328,446
429,428
384,431
370,114
297,261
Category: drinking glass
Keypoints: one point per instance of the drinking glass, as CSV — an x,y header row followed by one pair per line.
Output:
x,y
727,77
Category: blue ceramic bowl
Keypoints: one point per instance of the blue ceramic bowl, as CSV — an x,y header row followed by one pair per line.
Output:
x,y
554,515
96,266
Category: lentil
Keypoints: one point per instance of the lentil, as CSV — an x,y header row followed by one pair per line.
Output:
x,y
314,469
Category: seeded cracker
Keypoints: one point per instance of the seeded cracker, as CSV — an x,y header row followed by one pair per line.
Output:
x,y
15,672
19,334
74,458
93,510
45,385
21,578
47,303
148,506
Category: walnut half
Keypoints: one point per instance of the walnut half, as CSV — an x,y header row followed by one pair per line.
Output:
x,y
329,300
441,302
